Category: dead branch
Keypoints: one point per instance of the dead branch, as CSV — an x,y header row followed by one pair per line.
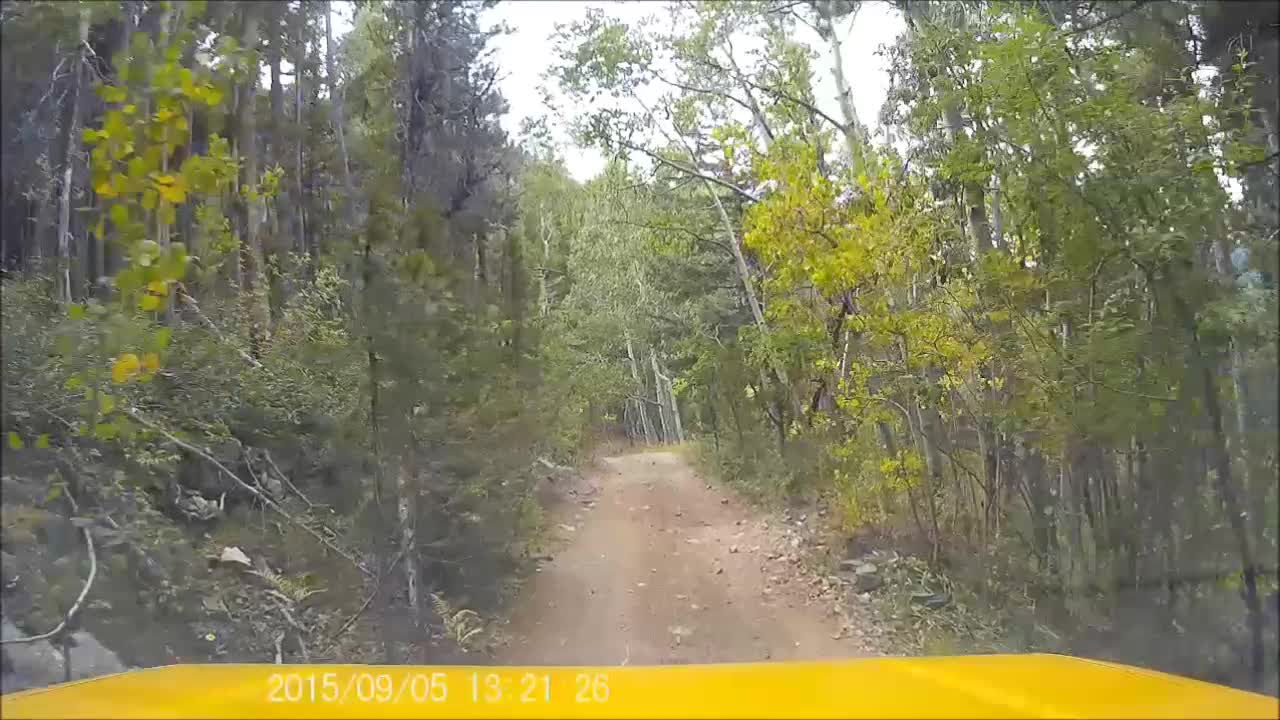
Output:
x,y
365,605
253,490
288,483
191,303
279,651
84,591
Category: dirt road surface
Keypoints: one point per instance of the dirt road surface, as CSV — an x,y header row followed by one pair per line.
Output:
x,y
656,566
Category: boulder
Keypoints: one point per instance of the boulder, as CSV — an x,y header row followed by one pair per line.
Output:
x,y
866,582
37,664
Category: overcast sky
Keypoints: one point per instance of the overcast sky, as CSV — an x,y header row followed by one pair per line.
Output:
x,y
526,53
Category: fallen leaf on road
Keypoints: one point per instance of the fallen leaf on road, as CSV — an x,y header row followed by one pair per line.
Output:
x,y
719,571
733,548
567,528
641,584
724,501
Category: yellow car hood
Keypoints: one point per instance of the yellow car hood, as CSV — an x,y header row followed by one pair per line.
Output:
x,y
1039,686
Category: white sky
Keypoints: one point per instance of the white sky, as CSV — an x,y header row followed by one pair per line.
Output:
x,y
526,53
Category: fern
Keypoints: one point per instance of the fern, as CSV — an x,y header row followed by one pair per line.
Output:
x,y
462,625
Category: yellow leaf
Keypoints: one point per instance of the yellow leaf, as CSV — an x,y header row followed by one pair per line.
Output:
x,y
105,189
15,441
106,403
130,109
151,362
42,442
125,367
158,287
165,115
174,194
149,303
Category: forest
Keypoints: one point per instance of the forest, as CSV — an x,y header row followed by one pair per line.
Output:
x,y
294,331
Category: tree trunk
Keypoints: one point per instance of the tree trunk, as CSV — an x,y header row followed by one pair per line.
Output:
x,y
855,136
405,507
645,422
339,117
663,410
252,290
1227,491
276,153
300,198
71,117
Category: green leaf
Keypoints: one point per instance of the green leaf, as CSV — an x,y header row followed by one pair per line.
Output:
x,y
15,441
75,311
42,442
162,337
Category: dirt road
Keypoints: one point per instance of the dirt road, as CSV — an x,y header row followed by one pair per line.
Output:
x,y
659,567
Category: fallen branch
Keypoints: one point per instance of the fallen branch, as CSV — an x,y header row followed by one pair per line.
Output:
x,y
191,302
288,483
84,591
279,651
253,490
365,605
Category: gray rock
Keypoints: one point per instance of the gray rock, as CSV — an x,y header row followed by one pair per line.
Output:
x,y
865,569
866,582
40,663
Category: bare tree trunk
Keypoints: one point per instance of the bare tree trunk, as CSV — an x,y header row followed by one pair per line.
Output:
x,y
71,139
300,198
339,118
544,294
251,245
663,410
408,544
855,135
675,408
645,422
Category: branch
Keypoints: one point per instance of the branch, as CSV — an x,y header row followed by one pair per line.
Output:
x,y
287,481
691,171
191,302
1103,21
253,490
365,605
777,93
84,592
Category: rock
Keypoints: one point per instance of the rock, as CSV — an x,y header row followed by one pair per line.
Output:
x,y
37,664
9,575
234,555
865,569
866,582
724,501
720,571
733,548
